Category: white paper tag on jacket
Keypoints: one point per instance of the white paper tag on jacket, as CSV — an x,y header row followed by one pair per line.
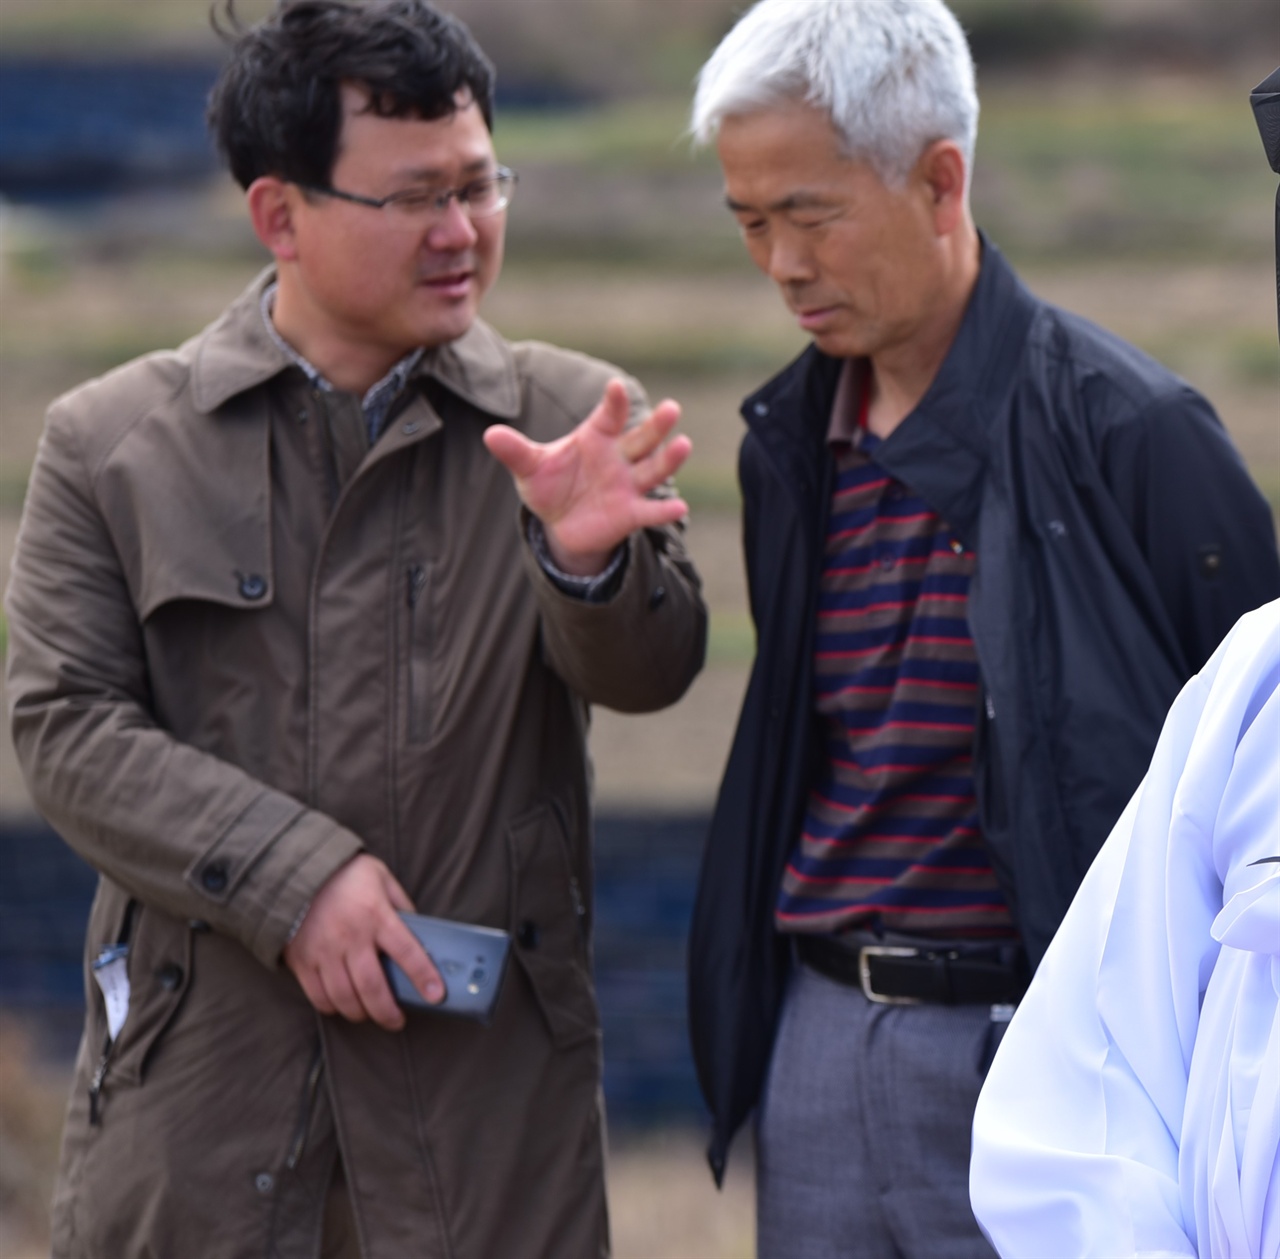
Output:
x,y
111,970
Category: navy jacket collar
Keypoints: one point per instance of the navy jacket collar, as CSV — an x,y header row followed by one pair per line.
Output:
x,y
941,448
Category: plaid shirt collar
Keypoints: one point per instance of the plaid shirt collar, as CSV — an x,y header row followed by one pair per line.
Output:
x,y
377,401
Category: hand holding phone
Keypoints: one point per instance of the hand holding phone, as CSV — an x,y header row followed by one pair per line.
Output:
x,y
335,951
471,960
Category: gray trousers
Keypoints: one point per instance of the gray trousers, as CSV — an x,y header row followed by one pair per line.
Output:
x,y
862,1134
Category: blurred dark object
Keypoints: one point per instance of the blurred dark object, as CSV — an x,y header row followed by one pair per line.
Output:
x,y
77,127
1265,99
646,866
45,892
1019,34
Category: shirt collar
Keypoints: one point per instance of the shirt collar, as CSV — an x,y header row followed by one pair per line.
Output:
x,y
848,426
378,398
238,352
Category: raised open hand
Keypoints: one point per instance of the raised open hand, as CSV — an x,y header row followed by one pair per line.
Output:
x,y
589,488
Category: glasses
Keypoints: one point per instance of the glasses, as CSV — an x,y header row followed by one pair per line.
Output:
x,y
478,199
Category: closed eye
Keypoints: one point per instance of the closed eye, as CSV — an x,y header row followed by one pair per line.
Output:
x,y
807,219
416,198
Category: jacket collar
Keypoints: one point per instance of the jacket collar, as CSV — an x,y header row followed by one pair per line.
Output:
x,y
941,448
237,353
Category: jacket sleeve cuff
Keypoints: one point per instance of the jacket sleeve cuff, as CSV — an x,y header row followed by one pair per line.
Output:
x,y
638,651
598,589
266,868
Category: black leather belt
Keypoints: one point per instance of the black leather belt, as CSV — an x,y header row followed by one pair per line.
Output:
x,y
945,973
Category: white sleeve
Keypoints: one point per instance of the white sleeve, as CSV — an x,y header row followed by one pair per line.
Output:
x,y
1099,1131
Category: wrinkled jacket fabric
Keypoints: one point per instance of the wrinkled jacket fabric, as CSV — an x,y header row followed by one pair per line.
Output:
x,y
244,647
1118,537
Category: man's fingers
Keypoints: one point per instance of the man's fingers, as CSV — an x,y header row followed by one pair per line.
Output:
x,y
649,473
373,990
313,990
513,450
610,417
401,945
653,513
341,992
644,438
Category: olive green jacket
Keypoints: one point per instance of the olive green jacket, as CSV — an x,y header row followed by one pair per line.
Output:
x,y
245,646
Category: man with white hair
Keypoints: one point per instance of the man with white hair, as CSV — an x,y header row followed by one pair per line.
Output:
x,y
987,543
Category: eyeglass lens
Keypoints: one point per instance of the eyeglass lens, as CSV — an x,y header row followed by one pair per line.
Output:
x,y
479,198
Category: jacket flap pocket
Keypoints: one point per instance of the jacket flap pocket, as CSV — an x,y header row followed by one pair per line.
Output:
x,y
548,927
159,976
189,509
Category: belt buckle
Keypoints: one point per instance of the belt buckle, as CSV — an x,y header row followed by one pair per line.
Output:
x,y
869,951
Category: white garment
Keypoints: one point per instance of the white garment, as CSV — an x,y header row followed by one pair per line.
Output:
x,y
1134,1106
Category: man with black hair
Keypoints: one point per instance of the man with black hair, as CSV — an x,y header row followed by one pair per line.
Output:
x,y
290,651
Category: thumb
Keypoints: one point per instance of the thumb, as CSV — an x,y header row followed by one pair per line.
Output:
x,y
513,450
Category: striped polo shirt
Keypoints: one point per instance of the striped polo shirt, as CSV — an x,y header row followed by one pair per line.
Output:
x,y
891,837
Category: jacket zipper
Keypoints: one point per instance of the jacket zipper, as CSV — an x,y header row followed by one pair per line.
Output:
x,y
95,1084
419,651
311,1088
99,1076
575,888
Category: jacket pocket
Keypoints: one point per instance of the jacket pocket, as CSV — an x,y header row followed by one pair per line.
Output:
x,y
421,631
110,924
549,926
160,956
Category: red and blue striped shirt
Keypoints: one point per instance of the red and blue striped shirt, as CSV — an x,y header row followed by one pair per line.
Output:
x,y
891,836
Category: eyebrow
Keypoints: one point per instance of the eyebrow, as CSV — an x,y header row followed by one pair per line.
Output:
x,y
430,174
803,200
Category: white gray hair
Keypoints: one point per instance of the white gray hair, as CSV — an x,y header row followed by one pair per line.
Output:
x,y
894,75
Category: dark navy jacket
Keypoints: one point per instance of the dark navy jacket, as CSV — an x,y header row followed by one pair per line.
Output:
x,y
1118,538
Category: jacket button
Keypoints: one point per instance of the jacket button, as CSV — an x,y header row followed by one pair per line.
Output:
x,y
527,935
199,926
253,586
657,598
213,878
264,1182
170,976
1210,561
761,408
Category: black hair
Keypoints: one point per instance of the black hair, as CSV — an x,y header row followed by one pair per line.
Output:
x,y
276,108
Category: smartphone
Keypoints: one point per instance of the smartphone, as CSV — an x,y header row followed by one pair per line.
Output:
x,y
471,960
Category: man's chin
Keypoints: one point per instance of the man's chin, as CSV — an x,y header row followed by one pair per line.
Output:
x,y
841,343
447,326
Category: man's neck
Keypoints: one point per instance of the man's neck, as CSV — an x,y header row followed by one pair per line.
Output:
x,y
348,364
900,375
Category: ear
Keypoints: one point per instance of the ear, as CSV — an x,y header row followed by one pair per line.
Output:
x,y
942,171
271,203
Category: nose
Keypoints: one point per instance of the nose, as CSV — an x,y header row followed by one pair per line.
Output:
x,y
789,261
453,230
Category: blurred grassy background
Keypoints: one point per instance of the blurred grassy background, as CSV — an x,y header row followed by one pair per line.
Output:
x,y
1118,165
